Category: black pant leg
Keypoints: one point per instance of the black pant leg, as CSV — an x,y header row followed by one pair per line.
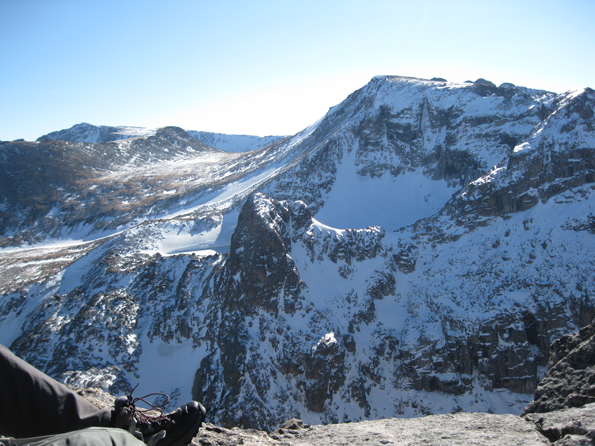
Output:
x,y
32,404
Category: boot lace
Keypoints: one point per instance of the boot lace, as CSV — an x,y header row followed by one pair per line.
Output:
x,y
143,416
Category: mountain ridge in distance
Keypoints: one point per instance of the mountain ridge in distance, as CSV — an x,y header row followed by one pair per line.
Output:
x,y
89,133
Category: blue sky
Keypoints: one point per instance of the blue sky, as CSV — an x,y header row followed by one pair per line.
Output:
x,y
265,67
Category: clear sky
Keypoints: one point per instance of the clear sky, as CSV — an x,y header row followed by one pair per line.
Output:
x,y
266,67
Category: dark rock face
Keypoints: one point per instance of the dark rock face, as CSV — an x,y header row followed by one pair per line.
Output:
x,y
570,427
570,381
324,373
260,291
406,258
563,409
501,350
259,259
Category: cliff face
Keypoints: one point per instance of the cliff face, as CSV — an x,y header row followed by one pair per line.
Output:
x,y
268,318
414,252
414,330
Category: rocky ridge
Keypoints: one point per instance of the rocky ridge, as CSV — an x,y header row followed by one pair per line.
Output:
x,y
571,374
62,189
234,143
89,133
85,132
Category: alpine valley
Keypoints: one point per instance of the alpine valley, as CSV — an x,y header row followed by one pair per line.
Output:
x,y
413,252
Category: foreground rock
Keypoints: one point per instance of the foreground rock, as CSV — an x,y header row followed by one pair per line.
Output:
x,y
569,427
570,381
564,427
450,429
574,426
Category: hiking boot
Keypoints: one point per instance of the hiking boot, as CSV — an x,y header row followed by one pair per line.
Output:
x,y
176,428
180,426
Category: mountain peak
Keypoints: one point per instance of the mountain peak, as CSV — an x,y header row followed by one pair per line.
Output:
x,y
89,133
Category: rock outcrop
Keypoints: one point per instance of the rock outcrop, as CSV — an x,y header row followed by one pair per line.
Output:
x,y
566,427
264,306
570,381
448,430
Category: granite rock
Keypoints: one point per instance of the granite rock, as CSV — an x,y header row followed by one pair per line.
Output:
x,y
570,381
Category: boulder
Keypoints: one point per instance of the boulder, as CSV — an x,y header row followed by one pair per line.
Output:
x,y
570,381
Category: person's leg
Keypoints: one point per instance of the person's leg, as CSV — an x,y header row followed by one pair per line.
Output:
x,y
93,436
32,404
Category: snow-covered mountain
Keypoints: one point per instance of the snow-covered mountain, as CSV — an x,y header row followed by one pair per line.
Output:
x,y
415,251
85,132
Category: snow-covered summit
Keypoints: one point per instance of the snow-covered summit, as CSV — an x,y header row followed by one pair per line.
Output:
x,y
89,133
